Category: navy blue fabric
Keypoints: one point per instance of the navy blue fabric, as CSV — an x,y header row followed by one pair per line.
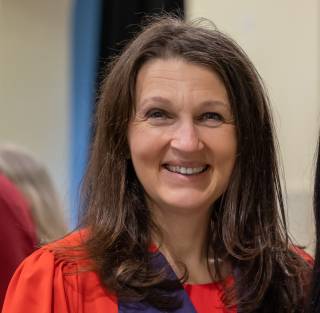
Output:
x,y
159,262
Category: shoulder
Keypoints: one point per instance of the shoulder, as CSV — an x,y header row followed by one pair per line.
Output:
x,y
74,238
58,254
60,281
303,254
72,243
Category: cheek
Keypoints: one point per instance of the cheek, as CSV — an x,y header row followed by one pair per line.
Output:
x,y
225,160
135,135
145,142
224,147
142,151
230,150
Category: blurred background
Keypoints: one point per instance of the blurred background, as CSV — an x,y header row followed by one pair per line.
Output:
x,y
51,59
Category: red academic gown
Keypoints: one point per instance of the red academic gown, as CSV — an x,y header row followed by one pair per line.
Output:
x,y
48,283
17,234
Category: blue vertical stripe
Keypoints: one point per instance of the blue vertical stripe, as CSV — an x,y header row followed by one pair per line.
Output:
x,y
85,49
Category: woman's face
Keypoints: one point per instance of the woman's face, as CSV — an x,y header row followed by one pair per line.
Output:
x,y
182,159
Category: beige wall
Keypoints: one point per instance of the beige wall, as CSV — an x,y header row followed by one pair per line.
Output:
x,y
282,39
34,80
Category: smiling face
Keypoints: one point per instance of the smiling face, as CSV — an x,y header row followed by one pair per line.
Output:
x,y
181,137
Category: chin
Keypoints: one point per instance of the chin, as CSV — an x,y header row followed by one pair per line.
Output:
x,y
188,205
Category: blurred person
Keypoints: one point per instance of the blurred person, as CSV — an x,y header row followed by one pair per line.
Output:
x,y
182,201
314,305
33,180
17,232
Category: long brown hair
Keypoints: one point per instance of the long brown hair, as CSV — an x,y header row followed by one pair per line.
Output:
x,y
248,226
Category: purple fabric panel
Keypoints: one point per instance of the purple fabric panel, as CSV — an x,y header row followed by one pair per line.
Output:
x,y
159,262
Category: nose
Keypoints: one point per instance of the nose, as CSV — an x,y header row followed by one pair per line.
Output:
x,y
186,138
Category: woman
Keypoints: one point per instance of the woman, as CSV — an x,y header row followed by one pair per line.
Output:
x,y
182,198
315,290
34,182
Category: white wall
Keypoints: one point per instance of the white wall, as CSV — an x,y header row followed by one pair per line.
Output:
x,y
34,80
282,39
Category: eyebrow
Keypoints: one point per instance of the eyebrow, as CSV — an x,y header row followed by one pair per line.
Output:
x,y
168,102
156,99
215,103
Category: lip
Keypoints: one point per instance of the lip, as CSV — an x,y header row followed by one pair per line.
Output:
x,y
187,171
192,174
185,164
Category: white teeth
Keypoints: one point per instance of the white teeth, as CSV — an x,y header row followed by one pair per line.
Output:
x,y
186,170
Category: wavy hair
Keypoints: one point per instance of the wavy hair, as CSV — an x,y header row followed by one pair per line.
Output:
x,y
247,228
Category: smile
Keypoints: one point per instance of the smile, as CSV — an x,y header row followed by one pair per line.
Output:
x,y
186,170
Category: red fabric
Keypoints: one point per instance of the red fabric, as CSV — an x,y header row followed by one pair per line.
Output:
x,y
207,298
47,282
17,234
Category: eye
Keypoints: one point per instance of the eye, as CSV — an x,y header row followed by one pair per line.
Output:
x,y
212,116
213,119
156,114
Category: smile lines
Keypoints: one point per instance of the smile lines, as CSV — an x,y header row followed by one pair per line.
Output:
x,y
186,170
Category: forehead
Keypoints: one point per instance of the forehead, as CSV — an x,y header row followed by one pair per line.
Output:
x,y
175,76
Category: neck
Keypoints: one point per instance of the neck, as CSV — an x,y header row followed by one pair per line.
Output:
x,y
184,240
